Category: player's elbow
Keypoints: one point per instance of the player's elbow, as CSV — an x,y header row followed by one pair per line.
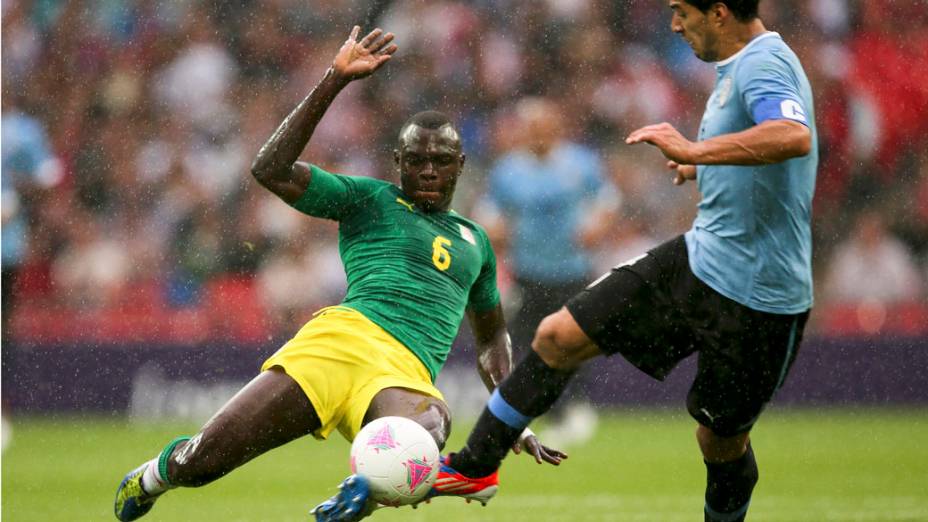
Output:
x,y
260,172
799,140
803,142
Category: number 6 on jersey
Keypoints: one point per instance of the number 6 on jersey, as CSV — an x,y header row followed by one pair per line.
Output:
x,y
440,255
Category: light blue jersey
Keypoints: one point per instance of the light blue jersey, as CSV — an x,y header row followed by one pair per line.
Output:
x,y
545,201
751,240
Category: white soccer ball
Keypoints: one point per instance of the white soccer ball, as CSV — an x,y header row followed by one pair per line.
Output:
x,y
398,457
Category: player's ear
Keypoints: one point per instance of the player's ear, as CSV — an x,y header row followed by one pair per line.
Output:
x,y
719,12
462,159
396,158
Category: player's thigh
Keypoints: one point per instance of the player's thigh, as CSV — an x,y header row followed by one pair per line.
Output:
x,y
633,310
269,411
742,362
430,412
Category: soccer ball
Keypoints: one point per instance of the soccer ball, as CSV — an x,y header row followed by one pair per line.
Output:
x,y
398,457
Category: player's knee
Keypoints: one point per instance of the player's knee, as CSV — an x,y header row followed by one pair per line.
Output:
x,y
718,448
436,419
560,343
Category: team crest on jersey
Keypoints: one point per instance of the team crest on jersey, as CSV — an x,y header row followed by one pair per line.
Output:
x,y
724,90
468,235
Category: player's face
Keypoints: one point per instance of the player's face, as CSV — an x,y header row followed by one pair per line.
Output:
x,y
693,25
429,162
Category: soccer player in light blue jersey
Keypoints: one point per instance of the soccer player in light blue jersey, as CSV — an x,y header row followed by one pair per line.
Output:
x,y
736,288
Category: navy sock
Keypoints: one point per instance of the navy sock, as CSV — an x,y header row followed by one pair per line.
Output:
x,y
530,391
728,488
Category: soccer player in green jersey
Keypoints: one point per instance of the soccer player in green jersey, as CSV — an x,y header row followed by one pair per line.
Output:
x,y
414,267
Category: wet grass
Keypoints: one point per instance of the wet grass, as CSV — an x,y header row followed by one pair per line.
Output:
x,y
816,465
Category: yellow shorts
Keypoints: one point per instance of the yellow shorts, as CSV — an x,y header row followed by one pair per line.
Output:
x,y
341,360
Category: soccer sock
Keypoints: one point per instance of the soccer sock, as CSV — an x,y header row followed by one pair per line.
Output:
x,y
728,488
151,482
155,478
531,389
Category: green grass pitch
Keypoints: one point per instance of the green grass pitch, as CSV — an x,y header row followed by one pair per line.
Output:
x,y
816,465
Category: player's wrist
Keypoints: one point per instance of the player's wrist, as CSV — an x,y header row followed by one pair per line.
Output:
x,y
336,77
526,433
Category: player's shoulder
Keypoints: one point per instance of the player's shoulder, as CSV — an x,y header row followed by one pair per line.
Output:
x,y
362,186
473,230
768,51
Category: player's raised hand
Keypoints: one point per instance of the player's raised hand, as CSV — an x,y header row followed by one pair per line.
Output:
x,y
360,59
682,173
668,139
530,444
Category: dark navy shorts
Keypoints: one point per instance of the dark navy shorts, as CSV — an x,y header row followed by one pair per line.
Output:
x,y
655,312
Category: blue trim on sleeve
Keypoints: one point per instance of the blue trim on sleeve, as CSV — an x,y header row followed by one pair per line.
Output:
x,y
506,413
779,109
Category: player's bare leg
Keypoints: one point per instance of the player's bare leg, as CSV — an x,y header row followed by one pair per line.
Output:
x,y
431,413
731,474
353,501
268,412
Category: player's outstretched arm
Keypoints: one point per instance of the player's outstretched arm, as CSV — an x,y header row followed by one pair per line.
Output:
x,y
275,166
772,141
494,363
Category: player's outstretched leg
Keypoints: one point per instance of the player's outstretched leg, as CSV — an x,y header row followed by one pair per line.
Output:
x,y
559,348
269,411
353,502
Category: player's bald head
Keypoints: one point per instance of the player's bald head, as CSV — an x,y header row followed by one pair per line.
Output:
x,y
431,120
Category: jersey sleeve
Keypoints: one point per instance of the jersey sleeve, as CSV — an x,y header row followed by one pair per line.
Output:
x,y
484,294
770,89
334,196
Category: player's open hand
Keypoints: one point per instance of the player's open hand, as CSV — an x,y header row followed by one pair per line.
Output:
x,y
682,173
668,139
530,444
360,59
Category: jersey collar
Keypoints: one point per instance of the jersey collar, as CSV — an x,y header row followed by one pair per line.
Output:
x,y
753,41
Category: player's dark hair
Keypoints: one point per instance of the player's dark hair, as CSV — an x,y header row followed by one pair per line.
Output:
x,y
744,10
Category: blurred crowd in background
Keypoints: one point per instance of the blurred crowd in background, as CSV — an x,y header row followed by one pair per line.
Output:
x,y
128,129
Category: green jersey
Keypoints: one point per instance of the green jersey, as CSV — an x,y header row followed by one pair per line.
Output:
x,y
412,273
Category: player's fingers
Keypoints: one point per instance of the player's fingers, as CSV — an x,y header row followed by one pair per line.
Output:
x,y
390,49
642,136
678,179
353,37
538,456
371,37
672,165
553,451
381,43
554,460
517,448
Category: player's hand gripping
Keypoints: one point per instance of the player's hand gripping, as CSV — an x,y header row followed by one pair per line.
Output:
x,y
357,60
529,442
665,137
682,173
